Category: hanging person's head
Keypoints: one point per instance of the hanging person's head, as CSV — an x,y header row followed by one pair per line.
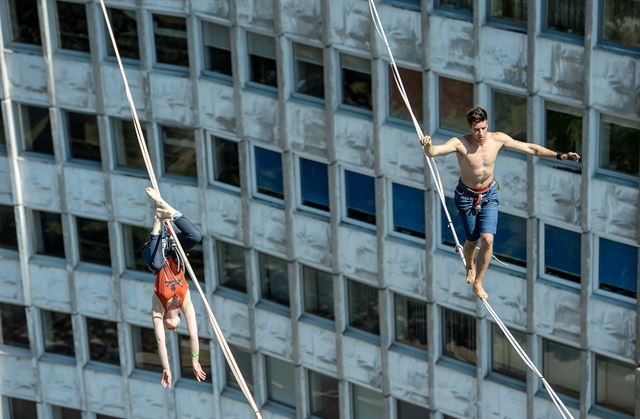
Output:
x,y
171,317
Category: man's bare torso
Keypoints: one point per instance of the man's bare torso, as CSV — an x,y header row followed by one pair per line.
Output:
x,y
477,160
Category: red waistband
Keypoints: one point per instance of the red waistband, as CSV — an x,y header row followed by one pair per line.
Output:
x,y
480,190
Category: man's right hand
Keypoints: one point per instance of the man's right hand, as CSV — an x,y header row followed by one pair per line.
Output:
x,y
166,378
425,141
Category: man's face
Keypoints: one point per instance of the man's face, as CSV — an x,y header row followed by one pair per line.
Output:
x,y
478,131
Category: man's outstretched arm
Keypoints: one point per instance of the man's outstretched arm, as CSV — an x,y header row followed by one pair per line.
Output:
x,y
450,146
535,149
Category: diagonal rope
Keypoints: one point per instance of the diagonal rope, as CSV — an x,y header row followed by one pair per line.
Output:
x,y
147,161
564,412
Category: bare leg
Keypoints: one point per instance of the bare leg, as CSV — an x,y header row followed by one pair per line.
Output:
x,y
484,257
468,250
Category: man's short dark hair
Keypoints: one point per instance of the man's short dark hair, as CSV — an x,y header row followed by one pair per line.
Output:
x,y
476,115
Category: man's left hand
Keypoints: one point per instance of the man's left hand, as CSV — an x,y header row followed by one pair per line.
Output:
x,y
198,371
570,156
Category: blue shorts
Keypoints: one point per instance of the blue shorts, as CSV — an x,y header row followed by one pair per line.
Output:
x,y
484,221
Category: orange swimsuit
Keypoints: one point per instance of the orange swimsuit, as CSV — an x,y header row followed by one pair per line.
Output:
x,y
170,283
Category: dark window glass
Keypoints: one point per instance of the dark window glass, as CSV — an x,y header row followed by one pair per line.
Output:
x,y
134,239
563,130
445,231
274,279
103,341
361,197
179,151
308,70
128,153
226,165
269,172
281,386
455,100
363,307
562,253
458,336
99,416
93,241
411,321
262,59
217,48
73,32
561,367
367,404
513,11
504,359
3,135
408,210
318,292
8,237
25,27
49,237
186,368
411,411
14,325
171,40
510,244
618,267
243,360
22,409
356,82
125,30
231,266
314,184
457,5
84,139
509,114
145,349
615,383
58,333
566,16
196,260
65,413
620,22
36,129
412,81
620,148
324,396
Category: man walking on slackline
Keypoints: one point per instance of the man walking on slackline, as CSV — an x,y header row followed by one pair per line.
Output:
x,y
476,195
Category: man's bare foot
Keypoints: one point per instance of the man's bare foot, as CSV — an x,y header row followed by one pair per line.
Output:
x,y
161,204
471,275
477,288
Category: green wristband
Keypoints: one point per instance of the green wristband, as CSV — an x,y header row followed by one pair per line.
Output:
x,y
195,355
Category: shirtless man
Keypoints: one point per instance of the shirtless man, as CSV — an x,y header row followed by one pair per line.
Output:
x,y
476,195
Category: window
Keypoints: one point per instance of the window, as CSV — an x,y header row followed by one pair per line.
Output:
x,y
464,6
65,413
510,244
262,59
563,129
274,279
134,239
308,70
455,99
363,307
48,234
125,30
504,359
619,147
459,336
269,172
186,368
20,408
93,241
280,382
128,154
615,382
561,367
84,140
620,21
318,292
314,184
618,267
324,396
367,403
145,349
243,360
8,237
179,151
510,11
411,411
14,326
411,321
408,210
99,416
226,165
445,231
231,271
58,333
217,48
360,193
73,32
25,27
356,82
412,81
103,341
562,253
565,16
170,34
196,260
509,114
3,135
36,129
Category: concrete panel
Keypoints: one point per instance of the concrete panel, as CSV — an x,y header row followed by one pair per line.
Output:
x,y
558,312
273,333
224,214
448,168
614,209
217,106
358,254
255,13
312,239
560,69
615,83
5,180
611,328
236,409
172,98
74,84
559,193
503,58
306,129
450,287
39,183
113,93
302,18
408,377
451,49
260,117
27,77
131,204
361,362
10,278
50,286
499,402
86,192
318,348
233,317
194,404
19,377
218,8
268,229
354,140
185,198
455,392
507,296
350,24
405,268
511,172
63,386
543,408
96,294
136,301
404,33
105,392
150,401
400,154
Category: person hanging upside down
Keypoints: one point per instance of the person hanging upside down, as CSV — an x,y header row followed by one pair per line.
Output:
x,y
476,194
171,291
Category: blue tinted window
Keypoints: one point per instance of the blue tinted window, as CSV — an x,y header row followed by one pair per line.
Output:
x,y
314,184
269,172
408,210
510,244
618,268
562,253
446,236
361,197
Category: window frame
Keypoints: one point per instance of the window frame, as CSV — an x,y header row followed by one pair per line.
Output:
x,y
217,76
596,264
267,382
67,139
301,267
136,333
254,178
508,378
71,352
344,210
390,210
359,330
466,365
217,255
77,241
441,131
556,34
211,138
262,298
351,109
310,392
608,173
107,39
181,178
37,234
594,378
506,24
36,48
254,85
569,110
391,85
22,346
543,367
59,49
542,262
315,100
451,12
173,68
608,45
117,365
128,245
228,375
298,175
117,138
22,118
426,346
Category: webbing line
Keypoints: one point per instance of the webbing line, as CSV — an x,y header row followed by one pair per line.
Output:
x,y
438,183
147,161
